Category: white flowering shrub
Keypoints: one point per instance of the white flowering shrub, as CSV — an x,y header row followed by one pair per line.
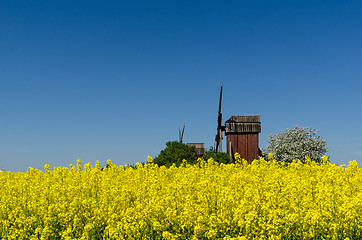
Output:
x,y
296,143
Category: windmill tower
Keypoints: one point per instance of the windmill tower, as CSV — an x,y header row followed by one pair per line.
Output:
x,y
242,134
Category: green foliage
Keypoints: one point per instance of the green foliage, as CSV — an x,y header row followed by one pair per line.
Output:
x,y
296,143
220,157
175,152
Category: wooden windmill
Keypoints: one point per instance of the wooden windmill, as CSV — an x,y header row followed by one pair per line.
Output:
x,y
199,147
242,134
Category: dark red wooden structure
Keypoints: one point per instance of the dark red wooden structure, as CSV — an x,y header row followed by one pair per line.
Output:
x,y
242,136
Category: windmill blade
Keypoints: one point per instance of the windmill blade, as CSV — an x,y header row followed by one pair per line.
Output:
x,y
181,134
183,130
219,113
219,137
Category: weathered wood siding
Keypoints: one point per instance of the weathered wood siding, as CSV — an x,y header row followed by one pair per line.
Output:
x,y
246,144
242,132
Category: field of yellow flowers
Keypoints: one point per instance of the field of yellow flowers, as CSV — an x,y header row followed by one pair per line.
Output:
x,y
261,200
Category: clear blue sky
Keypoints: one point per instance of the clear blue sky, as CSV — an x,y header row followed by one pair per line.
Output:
x,y
117,79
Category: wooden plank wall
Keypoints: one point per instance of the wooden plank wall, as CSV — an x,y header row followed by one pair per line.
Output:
x,y
246,144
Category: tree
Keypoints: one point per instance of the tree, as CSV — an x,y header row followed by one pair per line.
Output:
x,y
219,157
175,152
296,143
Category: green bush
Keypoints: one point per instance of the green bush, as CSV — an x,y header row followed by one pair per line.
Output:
x,y
220,157
175,152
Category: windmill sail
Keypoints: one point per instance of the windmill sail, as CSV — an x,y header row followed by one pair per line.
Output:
x,y
220,128
181,134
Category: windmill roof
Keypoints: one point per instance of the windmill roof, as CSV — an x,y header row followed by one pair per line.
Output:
x,y
245,118
243,124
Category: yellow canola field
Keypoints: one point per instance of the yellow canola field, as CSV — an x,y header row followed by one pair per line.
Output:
x,y
261,200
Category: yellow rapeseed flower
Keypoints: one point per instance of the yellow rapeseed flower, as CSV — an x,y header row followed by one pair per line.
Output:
x,y
261,200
